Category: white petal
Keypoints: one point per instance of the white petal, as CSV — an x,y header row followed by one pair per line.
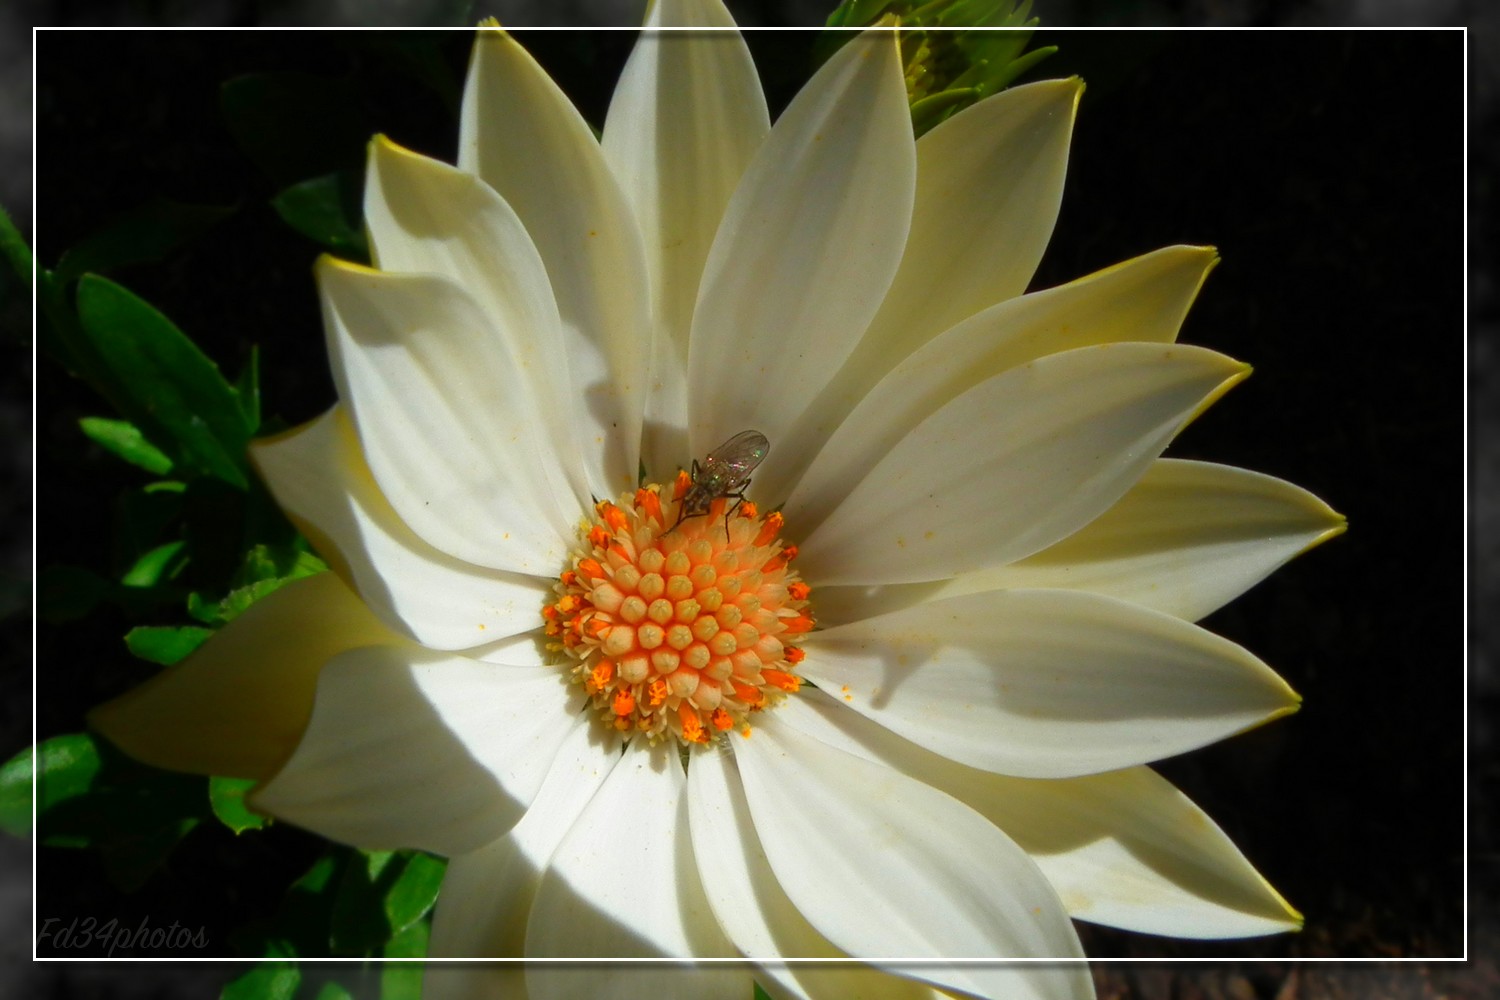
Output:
x,y
1129,850
427,217
989,182
806,249
239,704
686,117
1045,683
1189,538
487,893
1122,848
638,981
438,412
473,981
1142,300
753,910
883,865
521,135
622,882
1012,465
320,479
412,749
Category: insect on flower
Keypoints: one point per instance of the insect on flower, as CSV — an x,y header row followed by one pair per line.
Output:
x,y
725,472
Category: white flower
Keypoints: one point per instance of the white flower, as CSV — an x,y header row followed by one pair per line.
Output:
x,y
605,728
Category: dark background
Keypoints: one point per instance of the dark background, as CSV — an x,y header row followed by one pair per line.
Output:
x,y
1326,167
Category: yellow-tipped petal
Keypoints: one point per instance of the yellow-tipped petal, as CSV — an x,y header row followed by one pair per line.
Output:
x,y
239,704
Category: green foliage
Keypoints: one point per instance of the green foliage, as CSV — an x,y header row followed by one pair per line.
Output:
x,y
161,382
327,210
227,798
144,234
266,981
264,569
352,904
122,438
165,644
90,796
379,901
952,53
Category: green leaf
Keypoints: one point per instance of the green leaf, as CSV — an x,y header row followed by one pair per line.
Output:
x,y
857,13
415,891
227,797
334,991
266,981
300,925
379,901
403,980
264,569
14,249
760,993
295,125
247,388
124,439
327,210
165,644
360,924
146,233
160,563
167,387
92,796
65,768
15,794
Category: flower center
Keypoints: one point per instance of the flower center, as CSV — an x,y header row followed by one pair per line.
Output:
x,y
680,625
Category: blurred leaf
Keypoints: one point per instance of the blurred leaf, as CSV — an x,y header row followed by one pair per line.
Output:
x,y
146,233
266,981
65,768
15,250
227,797
295,125
162,562
327,210
163,644
15,794
300,925
760,993
403,980
247,387
93,796
171,391
122,438
334,991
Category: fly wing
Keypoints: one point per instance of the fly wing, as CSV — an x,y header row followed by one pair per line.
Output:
x,y
732,462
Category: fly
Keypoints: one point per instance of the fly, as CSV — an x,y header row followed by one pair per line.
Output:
x,y
724,473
